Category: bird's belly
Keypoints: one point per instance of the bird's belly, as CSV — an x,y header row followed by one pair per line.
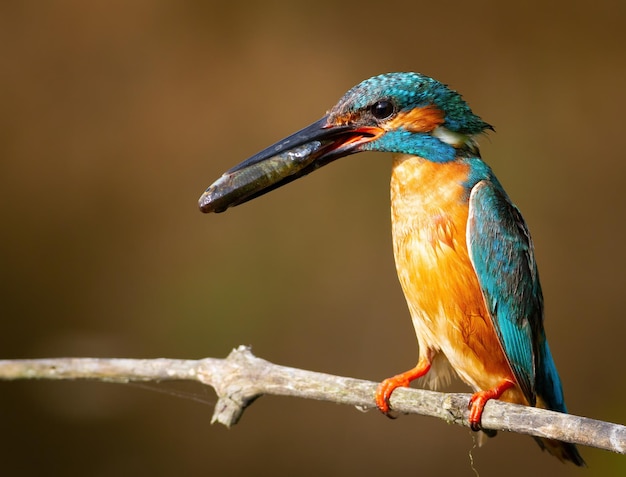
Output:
x,y
436,274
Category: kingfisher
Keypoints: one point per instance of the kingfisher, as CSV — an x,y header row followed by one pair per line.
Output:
x,y
464,256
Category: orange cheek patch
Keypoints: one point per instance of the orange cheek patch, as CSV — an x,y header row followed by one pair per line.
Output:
x,y
417,120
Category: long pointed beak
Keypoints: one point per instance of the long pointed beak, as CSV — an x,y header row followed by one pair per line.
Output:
x,y
287,160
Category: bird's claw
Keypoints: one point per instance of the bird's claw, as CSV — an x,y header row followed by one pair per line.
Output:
x,y
478,400
383,394
476,406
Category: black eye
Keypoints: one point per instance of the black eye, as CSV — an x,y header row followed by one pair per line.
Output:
x,y
382,109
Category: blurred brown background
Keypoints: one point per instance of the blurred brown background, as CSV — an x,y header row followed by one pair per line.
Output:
x,y
115,116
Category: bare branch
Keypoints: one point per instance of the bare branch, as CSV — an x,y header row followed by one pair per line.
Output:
x,y
242,377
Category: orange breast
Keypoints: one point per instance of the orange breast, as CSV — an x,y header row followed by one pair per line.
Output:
x,y
429,219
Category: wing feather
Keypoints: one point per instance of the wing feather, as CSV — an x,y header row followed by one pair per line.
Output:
x,y
502,254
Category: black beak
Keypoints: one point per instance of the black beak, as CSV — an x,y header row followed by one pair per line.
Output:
x,y
287,160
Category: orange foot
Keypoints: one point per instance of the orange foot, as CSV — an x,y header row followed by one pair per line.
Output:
x,y
389,385
478,400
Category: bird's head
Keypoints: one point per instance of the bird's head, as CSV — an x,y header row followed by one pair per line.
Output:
x,y
405,113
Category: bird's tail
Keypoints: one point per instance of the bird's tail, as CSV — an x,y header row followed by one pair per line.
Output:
x,y
550,396
564,451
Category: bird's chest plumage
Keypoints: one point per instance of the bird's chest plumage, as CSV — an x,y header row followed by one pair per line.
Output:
x,y
429,208
429,205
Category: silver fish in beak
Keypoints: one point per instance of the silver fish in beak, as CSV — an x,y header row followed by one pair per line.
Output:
x,y
295,156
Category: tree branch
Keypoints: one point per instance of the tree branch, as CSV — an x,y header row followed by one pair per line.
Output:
x,y
242,377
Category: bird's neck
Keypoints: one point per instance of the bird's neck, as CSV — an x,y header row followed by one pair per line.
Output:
x,y
422,186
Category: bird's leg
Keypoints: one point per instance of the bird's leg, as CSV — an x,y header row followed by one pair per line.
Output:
x,y
383,393
479,399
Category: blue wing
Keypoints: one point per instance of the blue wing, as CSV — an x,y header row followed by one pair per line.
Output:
x,y
501,252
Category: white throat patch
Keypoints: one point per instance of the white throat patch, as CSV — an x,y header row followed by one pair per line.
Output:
x,y
453,138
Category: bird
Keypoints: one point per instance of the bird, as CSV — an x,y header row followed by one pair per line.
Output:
x,y
463,252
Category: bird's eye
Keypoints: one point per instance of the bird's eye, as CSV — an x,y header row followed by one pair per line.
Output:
x,y
382,109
